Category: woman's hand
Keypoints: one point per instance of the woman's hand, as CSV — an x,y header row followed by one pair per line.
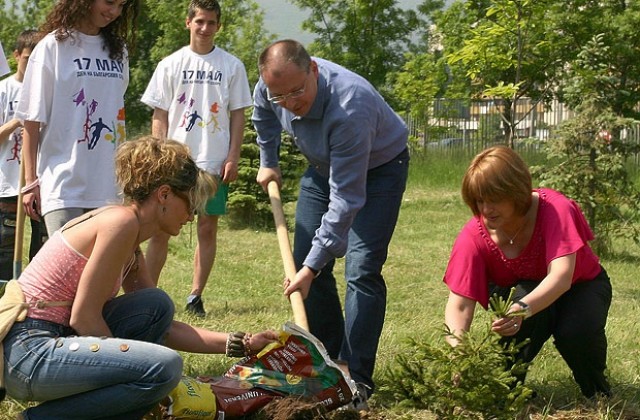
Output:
x,y
31,203
507,326
257,342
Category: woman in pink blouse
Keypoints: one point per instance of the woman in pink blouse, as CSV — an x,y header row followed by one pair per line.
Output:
x,y
538,242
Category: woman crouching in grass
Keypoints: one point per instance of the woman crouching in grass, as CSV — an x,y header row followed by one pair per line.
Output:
x,y
85,351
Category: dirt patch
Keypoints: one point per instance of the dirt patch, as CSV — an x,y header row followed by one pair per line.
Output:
x,y
287,408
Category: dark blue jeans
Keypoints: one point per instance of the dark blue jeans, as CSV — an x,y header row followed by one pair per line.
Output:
x,y
577,323
8,235
353,338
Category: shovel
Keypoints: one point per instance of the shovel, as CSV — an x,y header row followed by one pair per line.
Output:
x,y
19,239
297,303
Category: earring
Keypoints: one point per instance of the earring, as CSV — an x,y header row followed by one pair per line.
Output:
x,y
164,209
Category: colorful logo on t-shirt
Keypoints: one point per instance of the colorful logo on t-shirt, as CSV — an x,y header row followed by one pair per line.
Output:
x,y
15,139
93,129
191,118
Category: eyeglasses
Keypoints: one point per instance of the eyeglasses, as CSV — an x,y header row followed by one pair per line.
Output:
x,y
184,197
278,99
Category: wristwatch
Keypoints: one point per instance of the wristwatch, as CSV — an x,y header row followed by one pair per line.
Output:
x,y
526,308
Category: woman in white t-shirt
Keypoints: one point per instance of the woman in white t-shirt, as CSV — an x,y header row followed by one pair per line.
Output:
x,y
72,105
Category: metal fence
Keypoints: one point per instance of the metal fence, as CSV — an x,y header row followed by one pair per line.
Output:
x,y
471,126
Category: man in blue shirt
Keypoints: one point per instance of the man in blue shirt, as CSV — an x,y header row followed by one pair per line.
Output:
x,y
350,195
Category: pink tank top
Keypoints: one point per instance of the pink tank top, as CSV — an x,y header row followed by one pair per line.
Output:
x,y
53,275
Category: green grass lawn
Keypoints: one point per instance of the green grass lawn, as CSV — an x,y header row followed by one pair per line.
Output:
x,y
245,293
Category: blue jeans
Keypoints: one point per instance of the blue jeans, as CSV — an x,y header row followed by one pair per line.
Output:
x,y
91,377
353,338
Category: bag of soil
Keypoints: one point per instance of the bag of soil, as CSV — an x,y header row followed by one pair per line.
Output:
x,y
297,365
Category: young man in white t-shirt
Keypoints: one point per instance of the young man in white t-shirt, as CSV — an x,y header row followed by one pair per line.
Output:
x,y
10,148
199,94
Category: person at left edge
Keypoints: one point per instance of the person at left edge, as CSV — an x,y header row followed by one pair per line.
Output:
x,y
10,148
76,78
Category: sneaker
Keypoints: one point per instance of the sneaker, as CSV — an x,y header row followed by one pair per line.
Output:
x,y
359,400
195,306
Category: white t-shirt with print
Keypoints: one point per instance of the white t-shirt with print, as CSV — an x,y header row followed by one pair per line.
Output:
x,y
11,147
199,91
76,92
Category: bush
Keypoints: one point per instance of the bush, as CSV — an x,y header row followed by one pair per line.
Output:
x,y
248,204
586,161
478,378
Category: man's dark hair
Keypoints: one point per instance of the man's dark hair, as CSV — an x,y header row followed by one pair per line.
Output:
x,y
210,5
28,39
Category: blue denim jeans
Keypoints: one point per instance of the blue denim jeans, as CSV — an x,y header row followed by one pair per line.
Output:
x,y
93,377
353,338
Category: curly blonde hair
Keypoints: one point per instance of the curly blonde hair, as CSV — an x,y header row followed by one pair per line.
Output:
x,y
146,163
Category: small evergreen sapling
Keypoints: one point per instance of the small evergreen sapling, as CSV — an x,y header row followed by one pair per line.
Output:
x,y
474,379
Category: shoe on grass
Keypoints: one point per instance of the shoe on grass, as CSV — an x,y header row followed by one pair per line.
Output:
x,y
195,306
359,399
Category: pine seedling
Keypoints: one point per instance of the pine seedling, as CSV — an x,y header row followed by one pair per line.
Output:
x,y
500,307
475,379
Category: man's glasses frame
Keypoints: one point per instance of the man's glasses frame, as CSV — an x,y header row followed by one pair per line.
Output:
x,y
278,99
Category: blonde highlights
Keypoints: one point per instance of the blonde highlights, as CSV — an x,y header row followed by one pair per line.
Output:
x,y
144,164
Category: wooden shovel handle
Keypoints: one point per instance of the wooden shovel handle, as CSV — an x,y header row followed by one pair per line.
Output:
x,y
20,217
297,303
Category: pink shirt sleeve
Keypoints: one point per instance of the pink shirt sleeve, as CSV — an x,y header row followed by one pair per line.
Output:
x,y
561,229
466,273
566,231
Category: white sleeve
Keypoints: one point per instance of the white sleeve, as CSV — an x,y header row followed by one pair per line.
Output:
x,y
159,92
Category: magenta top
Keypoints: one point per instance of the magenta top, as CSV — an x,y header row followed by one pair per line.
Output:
x,y
561,229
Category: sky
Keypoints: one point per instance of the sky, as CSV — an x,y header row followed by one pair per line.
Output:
x,y
284,19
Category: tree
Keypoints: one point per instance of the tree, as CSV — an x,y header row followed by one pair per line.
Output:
x,y
368,37
572,25
18,15
507,56
423,75
587,158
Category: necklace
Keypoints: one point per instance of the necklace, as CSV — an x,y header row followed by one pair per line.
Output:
x,y
513,238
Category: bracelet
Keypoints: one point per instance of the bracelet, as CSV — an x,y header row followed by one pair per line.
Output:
x,y
245,342
28,188
526,308
236,346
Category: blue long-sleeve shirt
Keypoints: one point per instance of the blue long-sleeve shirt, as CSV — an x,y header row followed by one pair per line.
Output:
x,y
348,130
